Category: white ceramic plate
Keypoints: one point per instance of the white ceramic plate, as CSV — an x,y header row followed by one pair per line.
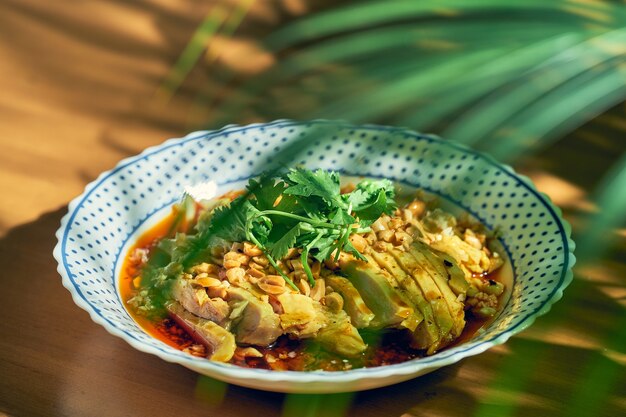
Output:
x,y
121,203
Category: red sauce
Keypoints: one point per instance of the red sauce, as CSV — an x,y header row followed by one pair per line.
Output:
x,y
297,355
386,348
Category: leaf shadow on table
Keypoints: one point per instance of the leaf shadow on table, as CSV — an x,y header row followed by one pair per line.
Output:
x,y
35,340
394,400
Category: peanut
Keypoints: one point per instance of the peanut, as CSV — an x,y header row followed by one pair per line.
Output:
x,y
379,225
304,286
316,269
236,257
272,284
254,272
395,223
235,275
358,242
334,301
319,290
385,235
417,207
261,260
201,268
217,292
208,282
254,265
231,264
251,249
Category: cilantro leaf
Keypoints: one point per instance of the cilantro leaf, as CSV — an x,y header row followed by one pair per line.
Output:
x,y
229,221
319,183
371,199
373,209
280,248
265,191
232,223
357,198
314,207
260,227
342,217
300,209
322,249
269,194
351,249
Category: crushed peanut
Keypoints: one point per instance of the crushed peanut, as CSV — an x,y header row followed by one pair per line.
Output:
x,y
272,284
251,249
236,276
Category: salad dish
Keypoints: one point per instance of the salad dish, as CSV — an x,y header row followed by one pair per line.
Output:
x,y
299,273
320,257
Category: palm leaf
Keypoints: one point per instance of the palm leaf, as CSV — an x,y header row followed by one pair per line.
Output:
x,y
589,94
507,77
218,18
374,13
611,197
396,93
484,79
383,53
545,78
192,52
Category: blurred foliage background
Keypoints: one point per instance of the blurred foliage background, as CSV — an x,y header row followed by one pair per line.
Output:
x,y
511,78
508,78
539,84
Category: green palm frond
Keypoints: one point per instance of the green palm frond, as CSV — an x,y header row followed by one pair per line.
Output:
x,y
611,197
219,18
486,78
586,74
192,52
364,15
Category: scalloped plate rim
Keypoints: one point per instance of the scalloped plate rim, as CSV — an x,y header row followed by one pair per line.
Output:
x,y
337,377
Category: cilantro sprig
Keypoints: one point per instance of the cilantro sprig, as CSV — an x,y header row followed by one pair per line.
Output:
x,y
301,209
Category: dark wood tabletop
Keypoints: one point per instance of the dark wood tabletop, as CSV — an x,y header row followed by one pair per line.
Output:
x,y
78,83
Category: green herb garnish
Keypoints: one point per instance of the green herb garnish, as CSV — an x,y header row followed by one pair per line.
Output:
x,y
300,209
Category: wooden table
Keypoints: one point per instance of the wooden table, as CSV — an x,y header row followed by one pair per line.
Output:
x,y
78,82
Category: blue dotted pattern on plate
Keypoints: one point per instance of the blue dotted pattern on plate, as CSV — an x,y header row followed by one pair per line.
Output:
x,y
122,200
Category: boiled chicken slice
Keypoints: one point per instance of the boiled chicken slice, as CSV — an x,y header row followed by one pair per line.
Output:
x,y
195,300
416,317
446,266
338,335
388,307
427,333
425,258
432,293
254,321
300,317
219,342
360,314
